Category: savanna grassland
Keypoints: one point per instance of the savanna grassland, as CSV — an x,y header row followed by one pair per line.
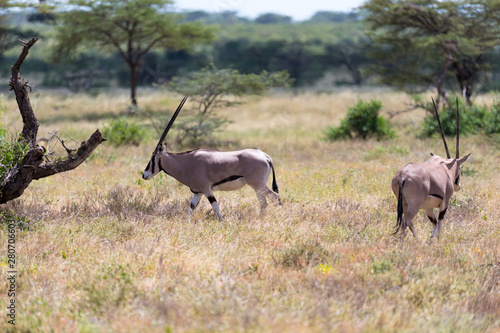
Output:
x,y
101,250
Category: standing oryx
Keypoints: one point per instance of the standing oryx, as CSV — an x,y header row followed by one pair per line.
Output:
x,y
427,186
205,171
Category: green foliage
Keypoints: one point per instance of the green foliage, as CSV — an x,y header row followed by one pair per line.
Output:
x,y
474,119
492,120
11,155
112,24
122,131
200,129
432,43
130,27
271,18
9,217
362,121
305,60
11,151
212,84
335,17
212,89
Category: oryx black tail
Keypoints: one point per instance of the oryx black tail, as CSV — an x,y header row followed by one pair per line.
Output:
x,y
399,221
275,184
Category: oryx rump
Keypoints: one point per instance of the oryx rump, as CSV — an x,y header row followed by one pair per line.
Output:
x,y
427,186
205,171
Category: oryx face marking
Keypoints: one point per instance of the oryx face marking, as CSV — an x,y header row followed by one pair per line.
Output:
x,y
148,173
153,166
427,186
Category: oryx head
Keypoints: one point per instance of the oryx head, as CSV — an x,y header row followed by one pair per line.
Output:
x,y
154,165
455,163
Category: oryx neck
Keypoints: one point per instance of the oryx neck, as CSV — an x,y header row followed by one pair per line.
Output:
x,y
168,163
176,166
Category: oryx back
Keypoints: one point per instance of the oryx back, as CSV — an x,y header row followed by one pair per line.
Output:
x,y
427,186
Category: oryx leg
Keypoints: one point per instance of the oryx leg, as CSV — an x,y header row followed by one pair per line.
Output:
x,y
195,202
408,214
442,213
263,204
210,196
262,201
432,218
262,192
412,202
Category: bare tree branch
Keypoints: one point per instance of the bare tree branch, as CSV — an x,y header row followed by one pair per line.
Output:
x,y
73,160
395,113
30,128
32,166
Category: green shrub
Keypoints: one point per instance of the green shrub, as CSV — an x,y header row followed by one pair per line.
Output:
x,y
474,119
362,121
122,131
11,154
11,151
492,119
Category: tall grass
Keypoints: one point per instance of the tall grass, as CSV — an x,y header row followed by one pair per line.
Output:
x,y
104,250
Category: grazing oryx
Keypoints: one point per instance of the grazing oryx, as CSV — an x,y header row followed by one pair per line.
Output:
x,y
205,171
427,186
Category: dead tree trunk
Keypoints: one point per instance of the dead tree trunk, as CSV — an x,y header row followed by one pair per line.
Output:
x,y
32,166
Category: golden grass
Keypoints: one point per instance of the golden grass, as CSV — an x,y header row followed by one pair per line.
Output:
x,y
106,251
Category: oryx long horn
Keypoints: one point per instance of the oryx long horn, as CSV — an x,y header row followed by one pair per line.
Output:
x,y
458,129
170,123
441,128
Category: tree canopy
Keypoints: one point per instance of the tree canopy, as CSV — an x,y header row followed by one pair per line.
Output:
x,y
130,27
431,43
271,18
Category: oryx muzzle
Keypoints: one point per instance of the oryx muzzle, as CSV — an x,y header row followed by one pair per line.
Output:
x,y
427,186
205,171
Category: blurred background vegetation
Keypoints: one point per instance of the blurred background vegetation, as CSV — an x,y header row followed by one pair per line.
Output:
x,y
329,49
451,48
271,42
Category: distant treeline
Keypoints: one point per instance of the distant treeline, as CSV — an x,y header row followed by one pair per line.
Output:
x,y
328,42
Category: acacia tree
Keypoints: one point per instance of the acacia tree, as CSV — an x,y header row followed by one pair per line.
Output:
x,y
211,90
130,27
26,158
432,43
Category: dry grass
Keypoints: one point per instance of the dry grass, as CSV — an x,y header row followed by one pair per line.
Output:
x,y
108,252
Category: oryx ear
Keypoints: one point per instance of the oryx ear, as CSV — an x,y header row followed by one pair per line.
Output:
x,y
432,154
463,159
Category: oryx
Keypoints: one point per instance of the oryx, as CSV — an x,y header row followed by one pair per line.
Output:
x,y
205,171
427,186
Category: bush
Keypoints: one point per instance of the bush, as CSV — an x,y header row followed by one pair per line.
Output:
x,y
492,119
11,154
122,131
199,130
213,89
474,119
362,121
11,151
